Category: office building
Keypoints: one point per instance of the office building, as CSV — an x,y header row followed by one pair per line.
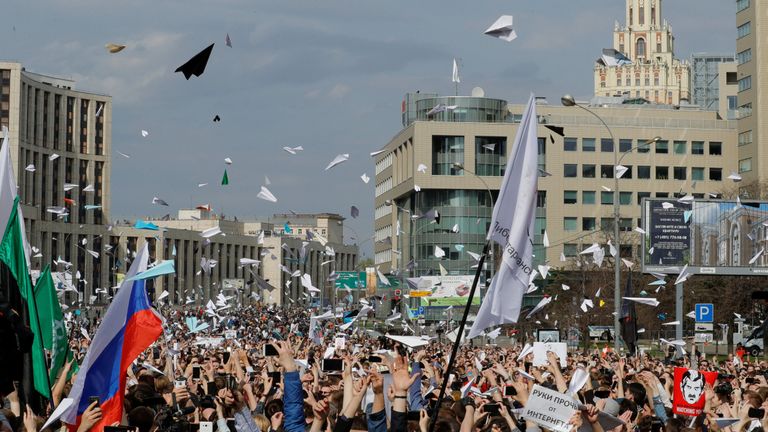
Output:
x,y
694,154
648,68
709,73
752,32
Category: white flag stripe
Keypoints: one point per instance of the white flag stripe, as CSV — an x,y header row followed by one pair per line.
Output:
x,y
511,227
455,77
8,192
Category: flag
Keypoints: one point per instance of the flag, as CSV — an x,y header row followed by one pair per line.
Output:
x,y
54,333
9,191
629,318
129,326
455,77
225,179
12,255
512,228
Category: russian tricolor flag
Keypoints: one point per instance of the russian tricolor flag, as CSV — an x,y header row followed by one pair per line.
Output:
x,y
129,327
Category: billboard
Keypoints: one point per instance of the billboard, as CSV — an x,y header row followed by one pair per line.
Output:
x,y
709,236
348,280
444,290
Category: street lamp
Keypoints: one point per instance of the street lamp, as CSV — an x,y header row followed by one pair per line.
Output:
x,y
568,101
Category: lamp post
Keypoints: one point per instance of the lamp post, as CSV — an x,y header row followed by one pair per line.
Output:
x,y
569,101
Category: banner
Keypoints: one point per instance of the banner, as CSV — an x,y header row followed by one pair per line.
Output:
x,y
550,409
688,398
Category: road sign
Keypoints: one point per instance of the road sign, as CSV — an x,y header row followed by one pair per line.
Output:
x,y
703,338
421,310
703,327
705,312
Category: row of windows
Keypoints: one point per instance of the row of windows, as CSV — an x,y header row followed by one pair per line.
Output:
x,y
745,138
744,56
744,30
384,256
607,198
745,83
383,233
745,165
643,172
571,223
382,211
384,186
741,5
570,144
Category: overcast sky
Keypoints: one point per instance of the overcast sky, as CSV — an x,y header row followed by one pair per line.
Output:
x,y
324,74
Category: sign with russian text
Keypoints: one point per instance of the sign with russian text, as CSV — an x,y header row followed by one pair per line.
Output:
x,y
550,409
669,233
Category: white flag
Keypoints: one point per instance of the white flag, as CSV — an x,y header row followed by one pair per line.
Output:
x,y
455,77
512,227
8,193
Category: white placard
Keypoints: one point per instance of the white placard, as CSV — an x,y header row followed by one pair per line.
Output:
x,y
550,409
540,350
230,334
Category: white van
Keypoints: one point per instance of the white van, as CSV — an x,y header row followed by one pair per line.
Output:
x,y
754,342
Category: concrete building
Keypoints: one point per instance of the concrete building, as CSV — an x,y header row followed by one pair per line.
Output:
x,y
60,142
752,60
652,72
695,154
713,75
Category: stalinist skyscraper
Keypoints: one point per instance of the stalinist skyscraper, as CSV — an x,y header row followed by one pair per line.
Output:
x,y
648,68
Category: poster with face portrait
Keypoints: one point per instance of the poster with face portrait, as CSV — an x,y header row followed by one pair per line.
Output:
x,y
688,398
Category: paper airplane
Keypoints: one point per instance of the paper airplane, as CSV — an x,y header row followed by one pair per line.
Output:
x,y
337,160
421,168
502,29
266,195
644,300
365,178
620,170
293,150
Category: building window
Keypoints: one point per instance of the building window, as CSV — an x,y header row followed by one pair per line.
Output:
x,y
541,199
733,102
490,156
647,81
745,110
643,171
745,138
680,147
641,195
662,173
606,198
570,197
697,173
628,173
606,224
662,194
641,15
741,5
606,171
744,56
588,144
715,148
570,170
625,145
643,146
697,147
680,173
587,197
621,50
571,224
570,249
570,144
640,51
588,224
745,165
716,174
606,145
745,83
625,225
744,30
625,198
447,151
656,83
658,47
588,171
662,147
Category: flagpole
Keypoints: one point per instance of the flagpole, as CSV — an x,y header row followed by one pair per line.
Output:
x,y
42,348
459,336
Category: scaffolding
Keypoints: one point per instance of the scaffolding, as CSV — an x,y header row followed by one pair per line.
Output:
x,y
705,85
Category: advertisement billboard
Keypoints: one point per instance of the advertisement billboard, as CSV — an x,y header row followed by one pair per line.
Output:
x,y
348,280
444,290
709,236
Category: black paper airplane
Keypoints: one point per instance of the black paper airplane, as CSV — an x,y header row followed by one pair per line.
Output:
x,y
217,118
196,65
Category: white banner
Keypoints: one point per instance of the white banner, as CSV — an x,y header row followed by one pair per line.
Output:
x,y
550,409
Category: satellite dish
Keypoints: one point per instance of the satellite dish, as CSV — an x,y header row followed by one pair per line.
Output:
x,y
478,92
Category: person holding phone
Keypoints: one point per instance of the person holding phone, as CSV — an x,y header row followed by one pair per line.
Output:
x,y
293,401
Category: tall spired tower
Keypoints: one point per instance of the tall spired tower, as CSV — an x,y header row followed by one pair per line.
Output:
x,y
642,63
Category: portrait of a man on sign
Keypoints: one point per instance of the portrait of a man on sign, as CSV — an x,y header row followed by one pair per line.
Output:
x,y
689,387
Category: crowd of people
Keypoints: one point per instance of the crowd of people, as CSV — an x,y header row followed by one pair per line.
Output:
x,y
259,370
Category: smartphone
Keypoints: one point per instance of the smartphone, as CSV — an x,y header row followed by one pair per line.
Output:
x,y
93,399
510,391
602,394
120,429
227,354
196,372
270,350
749,380
155,354
374,359
332,365
231,382
275,377
206,426
414,415
756,413
491,409
179,383
212,389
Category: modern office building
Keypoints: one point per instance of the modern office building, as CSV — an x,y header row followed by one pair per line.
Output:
x,y
421,170
752,33
709,73
650,70
60,144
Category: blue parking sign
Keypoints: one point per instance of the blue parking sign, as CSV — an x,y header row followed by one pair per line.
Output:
x,y
705,312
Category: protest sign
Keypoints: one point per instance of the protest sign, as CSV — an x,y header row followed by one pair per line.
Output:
x,y
688,398
550,409
540,350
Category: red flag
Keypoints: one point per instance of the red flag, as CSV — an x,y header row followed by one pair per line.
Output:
x,y
688,398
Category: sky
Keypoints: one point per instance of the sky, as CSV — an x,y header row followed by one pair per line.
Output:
x,y
326,75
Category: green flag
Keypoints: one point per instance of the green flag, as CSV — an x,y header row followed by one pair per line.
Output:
x,y
51,321
12,255
225,179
